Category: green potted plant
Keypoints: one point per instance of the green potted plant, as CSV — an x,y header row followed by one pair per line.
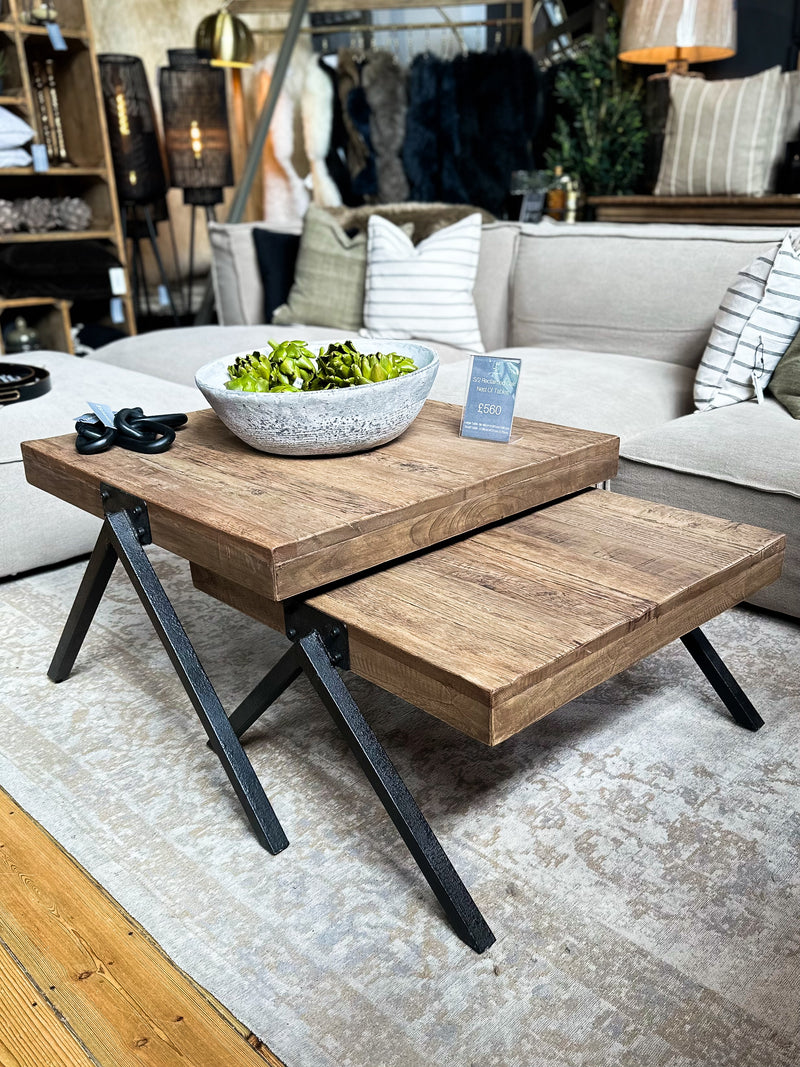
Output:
x,y
599,133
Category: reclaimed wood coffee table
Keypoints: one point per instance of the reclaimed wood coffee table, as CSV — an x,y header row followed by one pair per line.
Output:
x,y
488,584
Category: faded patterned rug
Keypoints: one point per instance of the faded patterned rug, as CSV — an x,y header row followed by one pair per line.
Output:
x,y
636,853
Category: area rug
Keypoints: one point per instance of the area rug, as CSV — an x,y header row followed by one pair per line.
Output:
x,y
636,853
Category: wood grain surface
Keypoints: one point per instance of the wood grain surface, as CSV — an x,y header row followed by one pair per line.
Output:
x,y
82,983
283,525
724,210
497,629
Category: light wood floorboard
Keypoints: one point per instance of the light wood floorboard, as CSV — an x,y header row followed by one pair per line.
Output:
x,y
81,982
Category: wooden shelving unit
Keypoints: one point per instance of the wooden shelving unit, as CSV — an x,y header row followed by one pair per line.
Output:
x,y
89,174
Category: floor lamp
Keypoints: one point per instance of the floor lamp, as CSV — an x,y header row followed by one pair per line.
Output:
x,y
138,166
195,113
260,133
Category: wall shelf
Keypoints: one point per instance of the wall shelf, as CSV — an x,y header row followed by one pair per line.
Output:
x,y
90,173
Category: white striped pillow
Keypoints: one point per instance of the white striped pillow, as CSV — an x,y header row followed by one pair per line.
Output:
x,y
424,291
755,324
719,138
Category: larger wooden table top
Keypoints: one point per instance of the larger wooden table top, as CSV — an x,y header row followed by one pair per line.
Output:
x,y
283,525
495,630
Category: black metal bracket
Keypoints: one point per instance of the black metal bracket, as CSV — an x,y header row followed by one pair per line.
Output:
x,y
301,620
114,501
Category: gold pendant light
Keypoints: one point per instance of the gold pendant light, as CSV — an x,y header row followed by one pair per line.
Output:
x,y
227,38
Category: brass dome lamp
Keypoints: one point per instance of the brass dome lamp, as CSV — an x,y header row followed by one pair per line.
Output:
x,y
227,38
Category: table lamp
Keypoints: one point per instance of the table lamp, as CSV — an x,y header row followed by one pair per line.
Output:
x,y
674,33
677,32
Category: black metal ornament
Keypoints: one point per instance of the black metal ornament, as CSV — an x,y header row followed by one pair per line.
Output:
x,y
132,429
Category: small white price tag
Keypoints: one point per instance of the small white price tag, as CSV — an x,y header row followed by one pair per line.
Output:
x,y
103,412
56,37
163,296
756,378
40,161
116,276
117,311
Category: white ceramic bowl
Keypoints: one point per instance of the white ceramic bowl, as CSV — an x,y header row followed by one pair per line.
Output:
x,y
328,422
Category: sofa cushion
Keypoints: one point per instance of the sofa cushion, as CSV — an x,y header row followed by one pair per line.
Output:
x,y
423,290
36,528
328,287
492,292
750,444
785,382
760,320
740,463
277,258
238,293
639,289
593,390
720,134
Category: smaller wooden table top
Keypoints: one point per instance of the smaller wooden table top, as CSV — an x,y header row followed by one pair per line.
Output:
x,y
283,526
497,629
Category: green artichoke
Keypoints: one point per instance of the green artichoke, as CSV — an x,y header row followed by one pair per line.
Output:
x,y
291,367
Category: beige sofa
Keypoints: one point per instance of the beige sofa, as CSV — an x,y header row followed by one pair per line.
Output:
x,y
610,322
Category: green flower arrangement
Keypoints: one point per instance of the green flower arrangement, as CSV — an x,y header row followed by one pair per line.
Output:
x,y
599,133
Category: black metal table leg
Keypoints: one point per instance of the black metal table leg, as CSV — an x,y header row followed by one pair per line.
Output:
x,y
95,579
195,681
725,685
460,908
279,678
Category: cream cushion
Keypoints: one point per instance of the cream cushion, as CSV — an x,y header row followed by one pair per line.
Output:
x,y
719,138
425,290
640,290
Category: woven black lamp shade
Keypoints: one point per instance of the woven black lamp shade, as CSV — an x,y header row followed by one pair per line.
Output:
x,y
195,113
132,130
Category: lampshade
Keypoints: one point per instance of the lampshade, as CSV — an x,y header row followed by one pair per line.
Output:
x,y
692,31
227,38
132,130
195,114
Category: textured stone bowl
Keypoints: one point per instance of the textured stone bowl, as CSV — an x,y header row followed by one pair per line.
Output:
x,y
329,422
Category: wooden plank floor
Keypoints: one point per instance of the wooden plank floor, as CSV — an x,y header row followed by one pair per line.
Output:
x,y
82,983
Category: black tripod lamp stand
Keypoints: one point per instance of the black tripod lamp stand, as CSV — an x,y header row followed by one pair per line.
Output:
x,y
195,113
138,166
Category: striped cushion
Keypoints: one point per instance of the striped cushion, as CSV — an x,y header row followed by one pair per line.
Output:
x,y
719,138
756,323
423,291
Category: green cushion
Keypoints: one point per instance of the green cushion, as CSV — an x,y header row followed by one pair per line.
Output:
x,y
785,381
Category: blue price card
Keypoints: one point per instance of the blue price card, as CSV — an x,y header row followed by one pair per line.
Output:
x,y
491,395
56,37
117,310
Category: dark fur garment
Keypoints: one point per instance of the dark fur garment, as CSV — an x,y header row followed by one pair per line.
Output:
x,y
470,123
384,82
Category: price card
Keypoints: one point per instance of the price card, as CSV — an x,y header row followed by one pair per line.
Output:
x,y
56,37
40,161
103,412
163,296
491,396
117,310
